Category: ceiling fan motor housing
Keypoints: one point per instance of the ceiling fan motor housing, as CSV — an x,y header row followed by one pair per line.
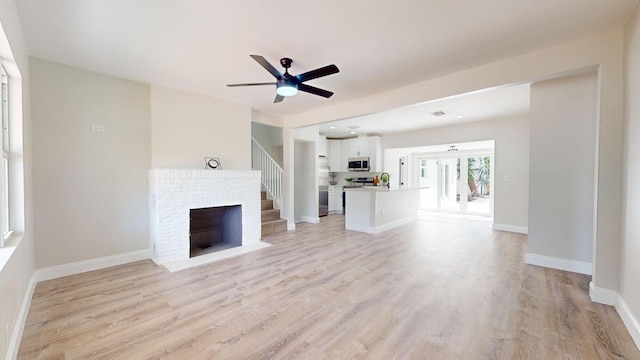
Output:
x,y
286,62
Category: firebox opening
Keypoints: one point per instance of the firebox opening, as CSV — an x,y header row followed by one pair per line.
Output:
x,y
214,229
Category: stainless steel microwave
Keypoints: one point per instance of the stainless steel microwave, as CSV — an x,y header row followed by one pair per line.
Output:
x,y
358,164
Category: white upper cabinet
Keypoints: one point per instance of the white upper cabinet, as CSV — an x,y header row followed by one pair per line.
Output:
x,y
344,158
375,154
335,155
359,146
339,152
321,145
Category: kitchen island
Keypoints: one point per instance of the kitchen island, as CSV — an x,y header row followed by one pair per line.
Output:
x,y
373,209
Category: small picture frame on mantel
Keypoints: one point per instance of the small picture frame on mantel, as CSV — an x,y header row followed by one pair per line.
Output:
x,y
211,163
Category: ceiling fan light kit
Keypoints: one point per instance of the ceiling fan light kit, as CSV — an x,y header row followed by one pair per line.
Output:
x,y
287,84
285,88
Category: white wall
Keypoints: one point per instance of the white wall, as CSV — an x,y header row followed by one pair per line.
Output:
x,y
16,274
270,138
562,167
511,199
299,163
305,196
630,247
187,127
90,187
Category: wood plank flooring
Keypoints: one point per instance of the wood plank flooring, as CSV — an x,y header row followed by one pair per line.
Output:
x,y
427,290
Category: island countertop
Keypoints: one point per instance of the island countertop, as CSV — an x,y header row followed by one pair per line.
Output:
x,y
377,188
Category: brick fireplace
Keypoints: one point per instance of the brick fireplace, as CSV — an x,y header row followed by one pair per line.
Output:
x,y
173,193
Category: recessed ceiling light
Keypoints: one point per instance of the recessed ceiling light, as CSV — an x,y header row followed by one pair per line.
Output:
x,y
439,113
459,116
332,127
352,132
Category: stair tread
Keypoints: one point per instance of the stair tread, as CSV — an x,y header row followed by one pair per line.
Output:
x,y
274,221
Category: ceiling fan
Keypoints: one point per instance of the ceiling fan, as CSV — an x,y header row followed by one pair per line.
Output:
x,y
287,84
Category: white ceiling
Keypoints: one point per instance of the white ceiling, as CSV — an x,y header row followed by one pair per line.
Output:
x,y
503,102
202,45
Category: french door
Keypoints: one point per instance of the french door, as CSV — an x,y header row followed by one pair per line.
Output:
x,y
447,186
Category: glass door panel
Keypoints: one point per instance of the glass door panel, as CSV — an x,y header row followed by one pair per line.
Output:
x,y
449,192
479,199
428,183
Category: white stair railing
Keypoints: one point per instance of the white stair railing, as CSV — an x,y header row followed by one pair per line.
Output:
x,y
271,172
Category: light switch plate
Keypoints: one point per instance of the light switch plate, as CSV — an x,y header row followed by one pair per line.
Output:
x,y
97,128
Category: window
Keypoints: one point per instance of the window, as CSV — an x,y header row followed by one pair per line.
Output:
x,y
5,229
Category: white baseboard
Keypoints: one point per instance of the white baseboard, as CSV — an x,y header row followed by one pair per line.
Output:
x,y
630,321
391,225
310,219
291,226
58,271
580,267
613,298
602,295
511,228
18,330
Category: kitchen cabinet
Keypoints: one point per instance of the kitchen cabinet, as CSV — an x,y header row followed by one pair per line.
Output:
x,y
376,209
375,154
339,152
335,156
321,145
344,159
359,146
335,199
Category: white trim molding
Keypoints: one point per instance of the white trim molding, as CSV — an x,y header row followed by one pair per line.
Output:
x,y
393,224
613,298
602,295
630,321
21,321
310,219
58,271
580,267
511,228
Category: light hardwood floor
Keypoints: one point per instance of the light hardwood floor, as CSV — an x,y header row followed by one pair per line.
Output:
x,y
427,290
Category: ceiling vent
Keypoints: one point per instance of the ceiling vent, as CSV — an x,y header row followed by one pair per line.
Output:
x,y
354,127
439,113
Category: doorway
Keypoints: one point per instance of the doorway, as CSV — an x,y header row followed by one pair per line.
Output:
x,y
456,183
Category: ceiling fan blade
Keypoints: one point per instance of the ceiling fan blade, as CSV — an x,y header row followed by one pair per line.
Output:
x,y
278,99
265,64
314,74
314,90
251,84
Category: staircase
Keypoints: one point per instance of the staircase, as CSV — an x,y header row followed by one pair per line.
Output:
x,y
271,179
271,221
